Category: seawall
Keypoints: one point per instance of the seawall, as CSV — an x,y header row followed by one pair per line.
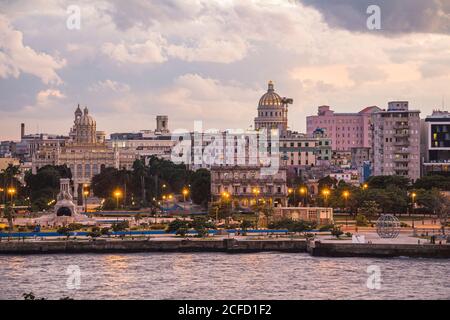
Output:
x,y
319,249
122,246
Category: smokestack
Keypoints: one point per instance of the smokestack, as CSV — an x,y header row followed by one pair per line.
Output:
x,y
22,130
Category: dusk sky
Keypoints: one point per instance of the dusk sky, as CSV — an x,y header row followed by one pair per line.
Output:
x,y
211,60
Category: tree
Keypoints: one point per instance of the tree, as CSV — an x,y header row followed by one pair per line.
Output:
x,y
8,213
370,209
44,185
385,182
177,224
200,182
435,181
327,183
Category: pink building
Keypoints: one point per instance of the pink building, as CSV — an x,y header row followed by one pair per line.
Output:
x,y
346,130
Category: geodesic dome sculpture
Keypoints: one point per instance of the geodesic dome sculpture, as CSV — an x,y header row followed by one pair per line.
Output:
x,y
388,226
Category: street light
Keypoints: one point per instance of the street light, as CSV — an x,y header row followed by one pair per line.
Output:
x,y
346,194
365,186
290,190
11,191
413,197
117,194
85,194
185,193
326,193
304,193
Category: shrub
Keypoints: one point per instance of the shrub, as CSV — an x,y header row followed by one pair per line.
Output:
x,y
120,226
326,227
337,232
158,226
349,234
75,226
361,220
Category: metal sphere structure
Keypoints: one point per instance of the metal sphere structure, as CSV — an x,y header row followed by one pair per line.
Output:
x,y
388,226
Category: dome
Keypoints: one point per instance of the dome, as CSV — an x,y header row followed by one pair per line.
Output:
x,y
271,98
86,119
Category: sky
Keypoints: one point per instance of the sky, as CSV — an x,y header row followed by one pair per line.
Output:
x,y
210,60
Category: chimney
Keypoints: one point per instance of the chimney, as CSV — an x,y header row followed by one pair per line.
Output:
x,y
22,130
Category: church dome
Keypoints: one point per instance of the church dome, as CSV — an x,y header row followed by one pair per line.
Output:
x,y
86,119
270,98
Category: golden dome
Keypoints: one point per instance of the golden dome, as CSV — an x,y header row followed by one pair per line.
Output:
x,y
270,98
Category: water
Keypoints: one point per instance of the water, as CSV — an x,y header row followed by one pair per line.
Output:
x,y
221,276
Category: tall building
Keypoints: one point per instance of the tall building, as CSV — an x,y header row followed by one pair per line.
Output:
x,y
346,130
437,144
396,141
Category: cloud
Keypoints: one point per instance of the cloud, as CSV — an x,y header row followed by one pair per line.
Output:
x,y
147,52
16,58
397,16
109,85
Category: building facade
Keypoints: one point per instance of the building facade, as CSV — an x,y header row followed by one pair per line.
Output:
x,y
245,186
85,152
346,130
321,216
437,144
396,141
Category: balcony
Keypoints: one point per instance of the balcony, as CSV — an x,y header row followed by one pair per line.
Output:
x,y
401,135
402,151
401,143
401,126
401,160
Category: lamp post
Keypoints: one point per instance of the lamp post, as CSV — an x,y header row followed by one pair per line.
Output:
x,y
413,198
290,190
11,192
185,193
117,194
346,194
85,194
326,193
304,192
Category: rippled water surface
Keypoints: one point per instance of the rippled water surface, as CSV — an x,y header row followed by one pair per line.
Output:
x,y
221,276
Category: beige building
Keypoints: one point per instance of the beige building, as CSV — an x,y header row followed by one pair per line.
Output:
x,y
5,162
315,214
86,152
396,141
246,185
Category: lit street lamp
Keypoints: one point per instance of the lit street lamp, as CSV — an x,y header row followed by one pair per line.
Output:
x,y
11,191
413,197
117,194
326,193
304,193
346,194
